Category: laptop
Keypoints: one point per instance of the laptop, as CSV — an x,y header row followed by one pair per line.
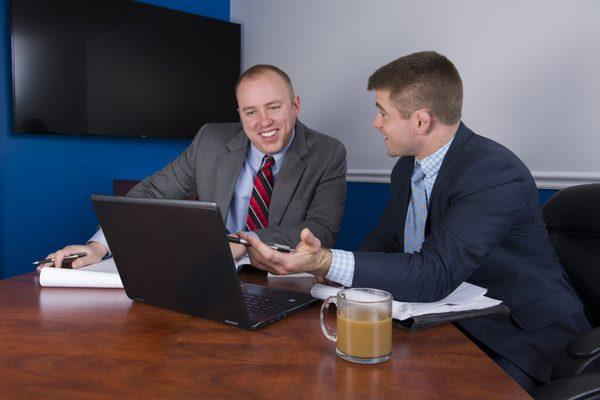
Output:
x,y
174,254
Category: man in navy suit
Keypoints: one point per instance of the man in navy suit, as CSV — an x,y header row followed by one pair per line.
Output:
x,y
463,208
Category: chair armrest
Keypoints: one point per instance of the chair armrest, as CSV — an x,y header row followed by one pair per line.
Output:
x,y
583,353
586,386
586,345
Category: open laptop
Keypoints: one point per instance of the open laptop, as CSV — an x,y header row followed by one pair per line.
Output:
x,y
174,254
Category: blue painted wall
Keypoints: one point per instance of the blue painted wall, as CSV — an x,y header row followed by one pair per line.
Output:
x,y
545,194
46,181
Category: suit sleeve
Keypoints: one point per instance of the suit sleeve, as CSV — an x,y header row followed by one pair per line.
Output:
x,y
174,181
326,209
483,208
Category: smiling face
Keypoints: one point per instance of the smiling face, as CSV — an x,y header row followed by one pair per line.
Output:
x,y
401,135
268,111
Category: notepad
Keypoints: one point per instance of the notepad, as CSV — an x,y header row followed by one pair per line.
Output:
x,y
242,262
101,275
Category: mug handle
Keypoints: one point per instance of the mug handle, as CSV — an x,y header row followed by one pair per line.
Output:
x,y
324,327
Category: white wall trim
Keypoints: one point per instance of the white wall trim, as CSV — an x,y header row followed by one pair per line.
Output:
x,y
368,175
543,179
561,180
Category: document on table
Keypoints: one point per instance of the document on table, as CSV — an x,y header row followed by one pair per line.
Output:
x,y
463,298
239,264
101,275
296,275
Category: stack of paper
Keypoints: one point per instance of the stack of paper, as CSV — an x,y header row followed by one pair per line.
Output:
x,y
463,298
101,275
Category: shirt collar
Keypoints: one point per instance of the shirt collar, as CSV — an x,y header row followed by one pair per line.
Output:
x,y
432,163
255,156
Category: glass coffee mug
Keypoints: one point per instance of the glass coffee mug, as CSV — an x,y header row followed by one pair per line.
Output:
x,y
364,325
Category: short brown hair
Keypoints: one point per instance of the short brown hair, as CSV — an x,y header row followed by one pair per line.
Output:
x,y
260,69
422,80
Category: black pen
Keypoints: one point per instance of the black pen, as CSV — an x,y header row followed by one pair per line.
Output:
x,y
275,246
71,257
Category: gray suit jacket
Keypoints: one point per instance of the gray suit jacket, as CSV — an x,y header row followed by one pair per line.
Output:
x,y
309,192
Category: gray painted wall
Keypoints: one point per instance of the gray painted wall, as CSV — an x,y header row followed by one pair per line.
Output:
x,y
530,71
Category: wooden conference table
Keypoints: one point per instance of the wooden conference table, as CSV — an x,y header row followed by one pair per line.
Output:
x,y
67,343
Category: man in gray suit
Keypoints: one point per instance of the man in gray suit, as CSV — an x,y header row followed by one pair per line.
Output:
x,y
291,176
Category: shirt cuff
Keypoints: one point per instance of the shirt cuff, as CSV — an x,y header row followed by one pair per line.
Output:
x,y
342,267
100,238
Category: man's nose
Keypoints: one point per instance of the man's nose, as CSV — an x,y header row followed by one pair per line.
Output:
x,y
265,119
377,122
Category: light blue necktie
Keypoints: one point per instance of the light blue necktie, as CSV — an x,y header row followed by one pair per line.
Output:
x,y
416,215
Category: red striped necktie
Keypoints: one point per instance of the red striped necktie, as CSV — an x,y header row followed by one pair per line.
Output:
x,y
258,209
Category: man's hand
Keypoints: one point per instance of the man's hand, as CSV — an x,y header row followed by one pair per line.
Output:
x,y
237,250
95,251
308,256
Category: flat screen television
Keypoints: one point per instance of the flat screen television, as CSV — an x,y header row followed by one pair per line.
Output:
x,y
120,67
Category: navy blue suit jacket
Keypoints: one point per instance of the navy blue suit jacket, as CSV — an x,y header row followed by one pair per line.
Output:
x,y
484,226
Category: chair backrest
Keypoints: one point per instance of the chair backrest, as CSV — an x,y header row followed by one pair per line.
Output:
x,y
573,221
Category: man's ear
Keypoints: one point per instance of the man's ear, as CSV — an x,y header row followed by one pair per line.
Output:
x,y
296,105
424,121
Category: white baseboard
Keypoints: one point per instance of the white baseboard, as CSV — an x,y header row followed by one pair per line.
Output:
x,y
561,180
368,175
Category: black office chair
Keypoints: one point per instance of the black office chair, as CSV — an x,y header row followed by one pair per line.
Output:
x,y
573,221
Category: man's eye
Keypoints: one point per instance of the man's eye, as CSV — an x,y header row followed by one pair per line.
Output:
x,y
250,113
274,108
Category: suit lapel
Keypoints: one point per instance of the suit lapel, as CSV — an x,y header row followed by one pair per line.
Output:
x,y
228,170
462,136
289,175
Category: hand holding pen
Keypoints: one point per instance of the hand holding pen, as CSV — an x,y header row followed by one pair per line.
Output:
x,y
275,246
92,253
308,256
66,261
74,256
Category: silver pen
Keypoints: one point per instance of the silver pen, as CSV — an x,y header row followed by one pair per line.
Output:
x,y
275,246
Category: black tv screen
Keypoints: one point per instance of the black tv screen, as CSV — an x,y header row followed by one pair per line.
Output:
x,y
120,67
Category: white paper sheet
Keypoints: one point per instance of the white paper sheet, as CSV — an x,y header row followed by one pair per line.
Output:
x,y
465,297
239,264
101,275
298,275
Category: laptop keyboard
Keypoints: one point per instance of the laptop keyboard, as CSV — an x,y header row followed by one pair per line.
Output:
x,y
260,305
